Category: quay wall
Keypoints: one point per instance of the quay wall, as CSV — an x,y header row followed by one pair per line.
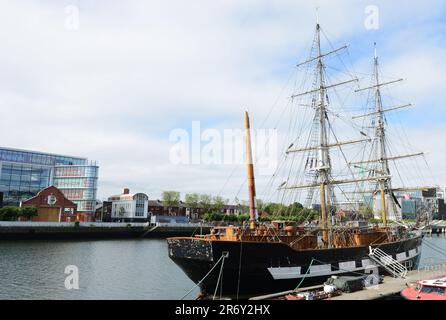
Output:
x,y
23,230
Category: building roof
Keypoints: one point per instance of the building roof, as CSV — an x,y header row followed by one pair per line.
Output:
x,y
43,153
126,196
155,203
52,189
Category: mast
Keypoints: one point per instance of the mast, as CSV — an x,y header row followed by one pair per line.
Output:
x,y
323,161
381,135
381,169
253,216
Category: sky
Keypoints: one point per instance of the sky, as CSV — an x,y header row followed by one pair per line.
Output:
x,y
114,81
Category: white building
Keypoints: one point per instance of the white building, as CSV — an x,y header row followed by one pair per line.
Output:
x,y
441,193
129,207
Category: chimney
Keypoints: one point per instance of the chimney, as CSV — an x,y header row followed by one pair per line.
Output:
x,y
126,191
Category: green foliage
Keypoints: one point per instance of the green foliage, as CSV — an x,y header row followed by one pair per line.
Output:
x,y
171,198
294,212
294,209
28,212
260,205
214,217
9,213
375,221
366,212
205,202
243,217
275,208
218,203
265,219
77,224
242,206
192,200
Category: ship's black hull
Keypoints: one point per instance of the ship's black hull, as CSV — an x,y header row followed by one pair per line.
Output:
x,y
255,268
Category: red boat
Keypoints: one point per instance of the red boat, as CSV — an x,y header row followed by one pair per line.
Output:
x,y
433,289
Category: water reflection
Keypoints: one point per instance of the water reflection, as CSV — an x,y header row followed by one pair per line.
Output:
x,y
122,269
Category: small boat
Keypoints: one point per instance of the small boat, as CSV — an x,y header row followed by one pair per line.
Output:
x,y
432,289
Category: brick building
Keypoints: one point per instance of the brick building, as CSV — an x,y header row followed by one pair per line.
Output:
x,y
52,205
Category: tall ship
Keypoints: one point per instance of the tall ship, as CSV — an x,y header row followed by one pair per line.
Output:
x,y
327,174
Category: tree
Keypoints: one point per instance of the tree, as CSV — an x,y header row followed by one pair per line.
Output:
x,y
205,202
243,217
308,214
366,211
260,205
121,212
171,199
242,206
218,203
375,221
192,201
28,212
294,209
275,208
9,213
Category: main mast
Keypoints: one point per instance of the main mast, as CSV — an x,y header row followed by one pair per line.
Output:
x,y
321,145
323,161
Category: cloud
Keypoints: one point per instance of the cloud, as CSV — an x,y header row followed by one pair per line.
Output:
x,y
114,89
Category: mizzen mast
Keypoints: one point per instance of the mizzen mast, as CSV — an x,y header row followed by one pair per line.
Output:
x,y
253,215
381,135
382,158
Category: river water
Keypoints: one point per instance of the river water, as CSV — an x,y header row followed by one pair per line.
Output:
x,y
111,269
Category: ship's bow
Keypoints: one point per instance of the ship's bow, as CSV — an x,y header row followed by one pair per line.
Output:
x,y
193,255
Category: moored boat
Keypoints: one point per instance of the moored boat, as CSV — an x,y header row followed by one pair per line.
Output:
x,y
254,264
432,289
262,258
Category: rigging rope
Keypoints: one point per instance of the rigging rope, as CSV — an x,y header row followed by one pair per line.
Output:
x,y
303,278
239,268
207,274
434,247
220,275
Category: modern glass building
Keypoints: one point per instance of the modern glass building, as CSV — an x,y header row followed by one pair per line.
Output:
x,y
24,173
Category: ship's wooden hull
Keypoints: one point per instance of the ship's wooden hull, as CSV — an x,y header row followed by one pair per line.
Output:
x,y
254,268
